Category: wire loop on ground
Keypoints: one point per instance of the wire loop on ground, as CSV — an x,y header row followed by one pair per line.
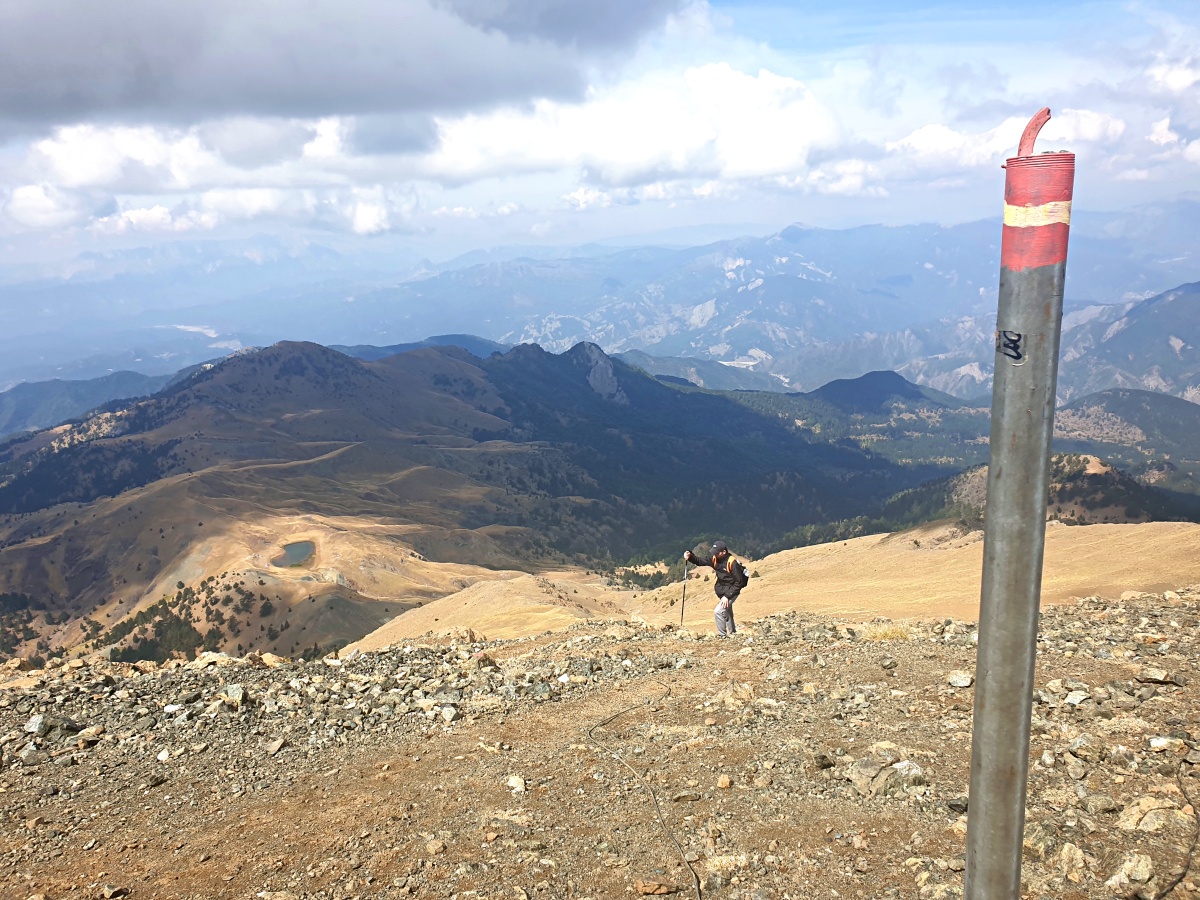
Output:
x,y
644,781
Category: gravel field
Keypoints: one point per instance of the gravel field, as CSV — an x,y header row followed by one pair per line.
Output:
x,y
805,757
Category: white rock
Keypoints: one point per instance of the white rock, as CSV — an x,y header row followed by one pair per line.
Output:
x,y
960,679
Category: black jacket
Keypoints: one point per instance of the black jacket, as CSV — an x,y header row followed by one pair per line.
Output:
x,y
731,574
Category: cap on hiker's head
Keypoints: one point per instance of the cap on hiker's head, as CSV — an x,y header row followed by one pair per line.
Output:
x,y
719,547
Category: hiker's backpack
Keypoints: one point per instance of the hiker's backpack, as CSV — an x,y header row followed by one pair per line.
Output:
x,y
745,579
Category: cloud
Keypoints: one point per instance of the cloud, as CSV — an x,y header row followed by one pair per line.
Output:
x,y
251,143
612,23
1074,125
254,203
46,206
589,198
154,219
140,61
707,121
848,178
1174,76
456,212
939,145
124,157
1161,133
452,116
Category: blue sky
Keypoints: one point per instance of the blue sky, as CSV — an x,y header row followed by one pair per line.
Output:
x,y
452,124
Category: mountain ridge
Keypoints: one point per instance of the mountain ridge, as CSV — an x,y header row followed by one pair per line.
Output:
x,y
525,458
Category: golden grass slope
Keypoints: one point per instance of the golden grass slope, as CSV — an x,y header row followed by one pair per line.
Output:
x,y
930,571
514,605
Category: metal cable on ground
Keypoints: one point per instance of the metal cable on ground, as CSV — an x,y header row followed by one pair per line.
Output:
x,y
1187,859
653,796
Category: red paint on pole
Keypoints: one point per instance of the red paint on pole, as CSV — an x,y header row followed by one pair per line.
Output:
x,y
1037,180
1029,248
1037,204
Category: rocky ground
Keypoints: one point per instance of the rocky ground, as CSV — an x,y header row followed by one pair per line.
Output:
x,y
805,757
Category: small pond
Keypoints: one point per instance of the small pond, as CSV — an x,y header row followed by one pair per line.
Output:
x,y
296,554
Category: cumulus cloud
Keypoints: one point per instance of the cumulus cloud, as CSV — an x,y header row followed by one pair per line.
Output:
x,y
940,145
452,116
1075,125
848,178
144,60
456,212
1161,133
154,219
708,121
251,143
1174,76
589,198
123,157
44,206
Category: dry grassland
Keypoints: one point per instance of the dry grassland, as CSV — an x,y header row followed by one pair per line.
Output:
x,y
932,571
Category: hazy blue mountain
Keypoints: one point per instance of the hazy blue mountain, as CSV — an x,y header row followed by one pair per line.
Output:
x,y
702,372
1154,346
476,346
156,309
1164,232
879,391
31,406
805,305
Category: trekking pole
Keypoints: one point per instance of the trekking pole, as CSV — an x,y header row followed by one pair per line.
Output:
x,y
683,603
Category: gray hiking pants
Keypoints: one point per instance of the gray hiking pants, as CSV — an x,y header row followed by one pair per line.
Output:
x,y
724,619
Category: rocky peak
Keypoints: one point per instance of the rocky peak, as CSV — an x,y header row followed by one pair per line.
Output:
x,y
601,375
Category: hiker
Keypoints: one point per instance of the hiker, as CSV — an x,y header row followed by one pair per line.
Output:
x,y
731,578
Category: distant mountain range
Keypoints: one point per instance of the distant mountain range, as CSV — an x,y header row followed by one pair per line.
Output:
x,y
806,306
803,307
41,404
1161,444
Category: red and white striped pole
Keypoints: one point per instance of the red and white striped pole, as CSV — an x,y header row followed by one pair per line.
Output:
x,y
1033,260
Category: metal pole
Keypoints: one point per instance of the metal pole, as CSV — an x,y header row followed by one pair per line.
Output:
x,y
683,603
1033,257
